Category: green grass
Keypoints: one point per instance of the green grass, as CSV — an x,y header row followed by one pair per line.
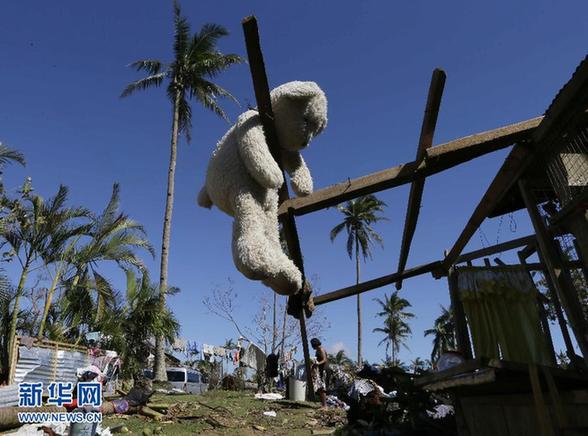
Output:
x,y
235,413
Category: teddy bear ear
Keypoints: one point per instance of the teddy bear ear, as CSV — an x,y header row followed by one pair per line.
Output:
x,y
296,90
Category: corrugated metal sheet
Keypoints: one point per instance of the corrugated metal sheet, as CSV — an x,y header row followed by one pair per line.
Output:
x,y
9,396
48,365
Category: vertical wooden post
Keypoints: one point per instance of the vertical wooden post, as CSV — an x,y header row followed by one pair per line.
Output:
x,y
558,313
560,276
264,107
542,313
461,328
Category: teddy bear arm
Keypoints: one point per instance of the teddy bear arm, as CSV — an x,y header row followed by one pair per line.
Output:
x,y
300,177
258,160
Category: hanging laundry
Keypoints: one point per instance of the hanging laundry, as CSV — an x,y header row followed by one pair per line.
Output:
x,y
253,357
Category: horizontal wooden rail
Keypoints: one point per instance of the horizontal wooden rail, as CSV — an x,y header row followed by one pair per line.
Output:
x,y
375,283
437,159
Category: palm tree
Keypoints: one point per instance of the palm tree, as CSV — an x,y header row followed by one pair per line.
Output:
x,y
418,365
443,332
196,60
38,229
396,328
359,216
114,237
143,319
340,358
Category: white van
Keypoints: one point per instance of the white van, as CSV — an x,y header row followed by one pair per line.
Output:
x,y
188,380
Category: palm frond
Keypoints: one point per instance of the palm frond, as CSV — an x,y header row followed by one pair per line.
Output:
x,y
8,155
206,38
155,80
185,118
151,66
336,230
181,32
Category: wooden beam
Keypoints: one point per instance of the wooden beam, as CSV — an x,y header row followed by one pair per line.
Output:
x,y
375,283
417,186
558,273
498,248
437,159
264,105
512,168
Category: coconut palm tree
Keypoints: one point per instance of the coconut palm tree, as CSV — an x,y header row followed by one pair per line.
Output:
x,y
113,238
359,216
396,328
142,320
196,61
38,229
418,365
340,358
443,333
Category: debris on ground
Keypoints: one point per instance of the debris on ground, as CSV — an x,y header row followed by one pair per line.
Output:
x,y
269,396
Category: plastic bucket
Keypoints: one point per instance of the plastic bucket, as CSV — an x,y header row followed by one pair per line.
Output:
x,y
296,389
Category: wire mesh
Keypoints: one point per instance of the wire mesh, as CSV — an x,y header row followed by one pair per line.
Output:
x,y
567,165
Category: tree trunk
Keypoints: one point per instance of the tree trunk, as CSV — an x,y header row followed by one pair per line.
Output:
x,y
359,359
15,309
159,369
48,303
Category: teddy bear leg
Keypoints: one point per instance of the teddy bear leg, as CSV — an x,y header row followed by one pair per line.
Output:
x,y
251,247
287,279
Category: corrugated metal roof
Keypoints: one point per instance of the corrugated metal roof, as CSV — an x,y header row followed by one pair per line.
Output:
x,y
48,365
9,396
579,71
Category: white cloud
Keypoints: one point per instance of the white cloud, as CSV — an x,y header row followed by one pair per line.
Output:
x,y
338,346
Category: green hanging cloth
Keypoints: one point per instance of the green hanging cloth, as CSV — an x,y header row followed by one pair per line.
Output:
x,y
501,309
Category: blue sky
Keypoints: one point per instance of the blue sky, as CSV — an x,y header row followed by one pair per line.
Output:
x,y
64,65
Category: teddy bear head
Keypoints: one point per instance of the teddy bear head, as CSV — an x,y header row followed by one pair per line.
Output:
x,y
300,111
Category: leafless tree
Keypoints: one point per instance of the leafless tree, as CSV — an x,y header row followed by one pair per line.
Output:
x,y
262,329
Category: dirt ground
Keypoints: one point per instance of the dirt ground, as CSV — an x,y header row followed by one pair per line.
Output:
x,y
229,412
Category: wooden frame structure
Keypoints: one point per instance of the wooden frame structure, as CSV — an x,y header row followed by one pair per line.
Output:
x,y
530,138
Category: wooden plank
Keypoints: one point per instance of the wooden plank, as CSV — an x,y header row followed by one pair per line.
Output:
x,y
462,368
264,105
375,283
417,186
439,158
560,277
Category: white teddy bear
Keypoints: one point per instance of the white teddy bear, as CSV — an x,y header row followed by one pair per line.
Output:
x,y
243,180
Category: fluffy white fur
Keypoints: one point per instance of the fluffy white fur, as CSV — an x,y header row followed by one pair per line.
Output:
x,y
243,180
